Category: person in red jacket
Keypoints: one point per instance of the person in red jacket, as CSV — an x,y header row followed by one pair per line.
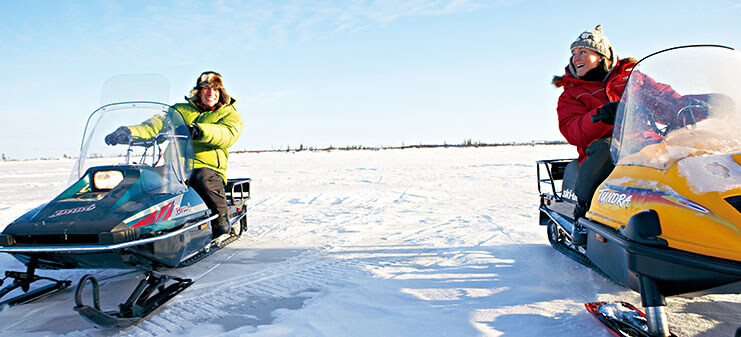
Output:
x,y
592,84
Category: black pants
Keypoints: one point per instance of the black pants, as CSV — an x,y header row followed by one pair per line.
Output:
x,y
593,171
210,186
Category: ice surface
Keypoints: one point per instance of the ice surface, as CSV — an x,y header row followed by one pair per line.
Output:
x,y
416,242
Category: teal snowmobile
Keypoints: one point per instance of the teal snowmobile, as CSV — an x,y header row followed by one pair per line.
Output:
x,y
129,206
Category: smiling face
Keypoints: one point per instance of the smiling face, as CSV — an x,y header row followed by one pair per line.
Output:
x,y
585,60
209,96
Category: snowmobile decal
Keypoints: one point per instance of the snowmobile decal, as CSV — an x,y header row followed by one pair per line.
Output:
x,y
186,205
154,214
165,211
75,210
686,203
157,216
182,209
611,197
568,194
622,196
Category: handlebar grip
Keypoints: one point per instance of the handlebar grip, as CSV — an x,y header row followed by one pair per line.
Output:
x,y
597,118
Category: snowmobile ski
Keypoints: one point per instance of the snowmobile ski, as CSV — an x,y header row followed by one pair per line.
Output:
x,y
23,280
622,318
139,305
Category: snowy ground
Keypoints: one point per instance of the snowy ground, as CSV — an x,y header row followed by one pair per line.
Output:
x,y
425,242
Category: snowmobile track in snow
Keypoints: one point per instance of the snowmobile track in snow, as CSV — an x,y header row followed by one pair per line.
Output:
x,y
251,297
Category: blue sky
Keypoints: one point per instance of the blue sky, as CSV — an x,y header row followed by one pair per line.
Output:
x,y
322,73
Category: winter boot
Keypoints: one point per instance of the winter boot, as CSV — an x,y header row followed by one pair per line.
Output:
x,y
220,226
579,234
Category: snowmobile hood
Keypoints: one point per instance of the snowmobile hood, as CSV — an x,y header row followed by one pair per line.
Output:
x,y
122,185
85,214
698,215
678,152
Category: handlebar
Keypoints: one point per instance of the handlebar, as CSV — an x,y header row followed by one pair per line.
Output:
x,y
596,118
606,114
159,138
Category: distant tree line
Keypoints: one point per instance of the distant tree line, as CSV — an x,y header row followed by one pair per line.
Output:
x,y
301,147
465,143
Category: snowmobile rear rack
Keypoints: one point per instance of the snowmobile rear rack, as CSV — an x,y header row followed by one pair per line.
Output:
x,y
238,190
140,303
554,168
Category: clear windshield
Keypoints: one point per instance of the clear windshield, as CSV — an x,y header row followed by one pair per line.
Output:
x,y
157,138
135,87
679,103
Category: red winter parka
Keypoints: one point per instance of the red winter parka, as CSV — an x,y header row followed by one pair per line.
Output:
x,y
581,99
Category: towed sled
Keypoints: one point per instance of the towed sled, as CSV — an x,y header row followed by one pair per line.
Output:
x,y
128,207
667,220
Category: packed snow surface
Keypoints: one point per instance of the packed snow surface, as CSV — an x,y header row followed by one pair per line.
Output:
x,y
414,242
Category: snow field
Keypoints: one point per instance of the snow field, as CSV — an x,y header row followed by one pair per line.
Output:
x,y
428,242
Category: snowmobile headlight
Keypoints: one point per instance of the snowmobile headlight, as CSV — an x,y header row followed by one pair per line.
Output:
x,y
106,180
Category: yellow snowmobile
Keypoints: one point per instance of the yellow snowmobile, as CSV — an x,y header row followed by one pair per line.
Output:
x,y
667,221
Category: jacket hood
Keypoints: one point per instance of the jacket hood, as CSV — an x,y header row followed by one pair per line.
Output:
x,y
560,81
210,79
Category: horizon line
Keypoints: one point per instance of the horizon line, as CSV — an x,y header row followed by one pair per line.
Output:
x,y
300,148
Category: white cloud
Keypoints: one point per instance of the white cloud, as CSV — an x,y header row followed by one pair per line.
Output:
x,y
189,32
257,22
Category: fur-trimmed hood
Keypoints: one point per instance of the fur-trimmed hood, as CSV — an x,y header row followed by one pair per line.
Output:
x,y
558,82
210,79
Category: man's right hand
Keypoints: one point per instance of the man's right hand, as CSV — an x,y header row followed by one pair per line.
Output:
x,y
122,135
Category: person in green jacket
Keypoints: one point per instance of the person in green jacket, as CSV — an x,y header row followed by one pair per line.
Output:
x,y
214,125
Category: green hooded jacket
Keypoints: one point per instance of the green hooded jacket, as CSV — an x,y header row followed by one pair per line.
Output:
x,y
220,129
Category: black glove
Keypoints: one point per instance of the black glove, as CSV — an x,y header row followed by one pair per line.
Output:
x,y
606,113
195,131
120,136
